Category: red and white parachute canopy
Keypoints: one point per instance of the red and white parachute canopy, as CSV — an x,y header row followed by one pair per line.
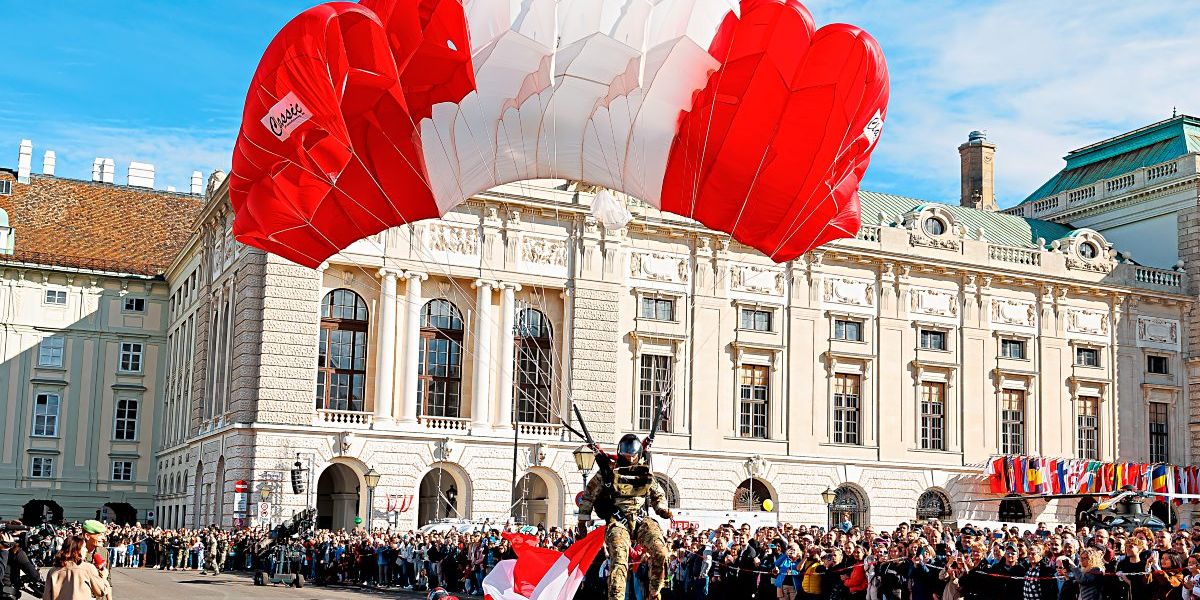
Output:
x,y
741,115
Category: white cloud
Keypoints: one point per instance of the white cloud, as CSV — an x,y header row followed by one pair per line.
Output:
x,y
1041,77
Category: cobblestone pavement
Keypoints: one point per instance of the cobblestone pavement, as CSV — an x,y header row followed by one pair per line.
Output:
x,y
189,585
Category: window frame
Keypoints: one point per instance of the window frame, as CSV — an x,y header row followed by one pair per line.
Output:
x,y
754,413
656,302
47,467
660,384
61,352
46,418
1016,343
1083,428
932,422
1012,425
135,299
845,414
130,471
1081,351
755,312
1159,431
1165,361
126,420
449,386
533,369
334,320
928,333
55,292
860,324
138,356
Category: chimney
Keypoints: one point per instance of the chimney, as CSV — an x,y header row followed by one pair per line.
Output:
x,y
108,170
141,175
48,162
97,168
25,161
197,183
977,167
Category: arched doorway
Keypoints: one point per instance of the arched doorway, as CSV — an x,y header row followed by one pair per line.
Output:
x,y
337,497
933,504
531,501
750,495
218,499
849,504
198,496
121,513
1164,512
1014,510
1085,503
37,512
439,497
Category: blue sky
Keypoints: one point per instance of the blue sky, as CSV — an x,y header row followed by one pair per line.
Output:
x,y
164,82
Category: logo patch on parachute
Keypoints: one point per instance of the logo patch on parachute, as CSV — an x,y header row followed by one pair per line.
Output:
x,y
287,114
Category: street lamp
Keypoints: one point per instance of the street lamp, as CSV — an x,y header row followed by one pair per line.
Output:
x,y
372,479
828,496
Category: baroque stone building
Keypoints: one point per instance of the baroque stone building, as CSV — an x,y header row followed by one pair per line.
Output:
x,y
445,355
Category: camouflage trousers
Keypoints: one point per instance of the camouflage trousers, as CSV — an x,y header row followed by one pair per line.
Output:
x,y
617,541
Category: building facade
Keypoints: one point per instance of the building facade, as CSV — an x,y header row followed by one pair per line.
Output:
x,y
446,355
84,311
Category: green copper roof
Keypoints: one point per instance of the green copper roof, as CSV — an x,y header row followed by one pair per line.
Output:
x,y
999,228
1150,145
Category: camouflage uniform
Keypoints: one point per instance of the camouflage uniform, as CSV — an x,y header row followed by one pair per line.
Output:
x,y
626,523
212,556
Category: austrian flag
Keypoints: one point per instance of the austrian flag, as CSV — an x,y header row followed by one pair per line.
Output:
x,y
542,573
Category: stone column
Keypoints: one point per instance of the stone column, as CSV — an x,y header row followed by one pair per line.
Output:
x,y
385,352
412,341
504,418
480,382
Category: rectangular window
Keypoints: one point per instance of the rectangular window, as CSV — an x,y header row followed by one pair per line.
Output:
x,y
933,415
755,394
1158,433
933,340
122,470
50,352
1158,365
41,467
844,329
1012,348
131,357
126,420
1012,422
134,305
1087,357
45,414
654,389
658,309
756,320
56,297
1088,425
847,407
5,187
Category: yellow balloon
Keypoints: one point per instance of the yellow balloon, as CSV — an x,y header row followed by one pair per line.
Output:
x,y
768,505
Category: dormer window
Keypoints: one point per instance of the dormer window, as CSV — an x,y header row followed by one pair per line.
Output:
x,y
1087,250
935,226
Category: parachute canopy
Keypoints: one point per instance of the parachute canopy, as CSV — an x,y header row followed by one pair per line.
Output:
x,y
741,115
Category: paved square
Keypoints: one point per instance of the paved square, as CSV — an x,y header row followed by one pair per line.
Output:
x,y
152,583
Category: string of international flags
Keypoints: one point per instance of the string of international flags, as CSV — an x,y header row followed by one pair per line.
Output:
x,y
1035,475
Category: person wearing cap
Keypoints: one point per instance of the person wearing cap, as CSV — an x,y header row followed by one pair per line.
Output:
x,y
14,561
94,533
1009,574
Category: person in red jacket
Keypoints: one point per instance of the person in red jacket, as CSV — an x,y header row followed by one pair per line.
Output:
x,y
856,579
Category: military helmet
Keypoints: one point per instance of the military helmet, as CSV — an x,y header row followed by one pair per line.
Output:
x,y
629,450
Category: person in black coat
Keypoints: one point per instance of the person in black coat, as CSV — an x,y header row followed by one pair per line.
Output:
x,y
1065,586
1007,575
1040,582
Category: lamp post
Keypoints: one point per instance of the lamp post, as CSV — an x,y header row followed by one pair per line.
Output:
x,y
372,479
828,496
585,459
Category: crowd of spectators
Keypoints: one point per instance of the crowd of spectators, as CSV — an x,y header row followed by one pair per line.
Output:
x,y
926,561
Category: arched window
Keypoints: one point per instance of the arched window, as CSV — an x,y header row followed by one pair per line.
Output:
x,y
848,505
1014,510
534,366
439,370
750,496
342,352
669,489
934,505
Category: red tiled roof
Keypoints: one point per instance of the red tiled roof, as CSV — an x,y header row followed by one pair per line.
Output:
x,y
104,227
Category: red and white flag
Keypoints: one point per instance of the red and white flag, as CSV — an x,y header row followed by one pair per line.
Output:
x,y
542,573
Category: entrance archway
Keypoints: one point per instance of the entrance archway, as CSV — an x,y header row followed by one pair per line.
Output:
x,y
933,504
1014,510
121,513
337,497
531,500
849,504
750,495
439,497
36,512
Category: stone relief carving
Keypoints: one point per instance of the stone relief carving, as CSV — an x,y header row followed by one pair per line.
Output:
x,y
457,240
933,302
756,280
658,267
1013,312
543,251
1158,331
854,292
1089,322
